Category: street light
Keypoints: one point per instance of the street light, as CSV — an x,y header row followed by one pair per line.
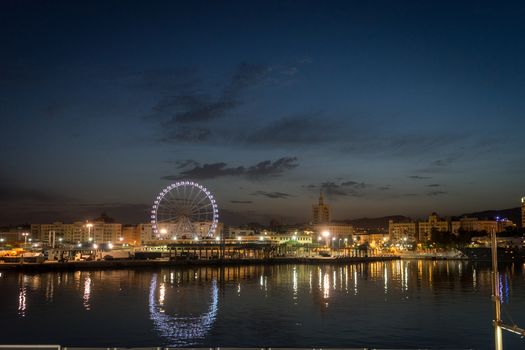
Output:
x,y
25,234
326,235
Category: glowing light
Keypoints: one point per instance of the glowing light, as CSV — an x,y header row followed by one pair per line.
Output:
x,y
95,246
196,238
218,238
239,238
326,234
110,245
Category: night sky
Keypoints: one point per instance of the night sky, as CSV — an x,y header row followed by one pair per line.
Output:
x,y
389,107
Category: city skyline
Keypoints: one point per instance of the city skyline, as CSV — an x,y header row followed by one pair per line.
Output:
x,y
388,108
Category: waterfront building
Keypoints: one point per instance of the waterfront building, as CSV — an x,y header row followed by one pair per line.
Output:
x,y
434,223
238,231
98,231
401,230
320,212
422,230
130,235
338,230
474,224
14,235
299,237
373,239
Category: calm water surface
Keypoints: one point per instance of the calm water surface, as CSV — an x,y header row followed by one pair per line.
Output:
x,y
397,304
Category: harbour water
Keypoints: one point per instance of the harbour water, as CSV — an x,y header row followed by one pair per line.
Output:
x,y
394,304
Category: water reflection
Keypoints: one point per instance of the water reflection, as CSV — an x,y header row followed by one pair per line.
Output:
x,y
177,328
182,304
22,301
87,292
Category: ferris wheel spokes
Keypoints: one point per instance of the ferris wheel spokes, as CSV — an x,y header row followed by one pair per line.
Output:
x,y
183,208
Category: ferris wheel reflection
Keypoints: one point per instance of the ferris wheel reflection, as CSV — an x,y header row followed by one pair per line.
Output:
x,y
180,329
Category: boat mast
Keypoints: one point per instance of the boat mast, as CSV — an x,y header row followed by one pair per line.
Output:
x,y
498,341
497,322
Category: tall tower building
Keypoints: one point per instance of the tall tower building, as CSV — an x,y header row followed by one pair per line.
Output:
x,y
321,211
523,212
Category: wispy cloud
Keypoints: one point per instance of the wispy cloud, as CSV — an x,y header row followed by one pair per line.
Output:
x,y
273,195
269,168
241,202
418,177
184,110
261,170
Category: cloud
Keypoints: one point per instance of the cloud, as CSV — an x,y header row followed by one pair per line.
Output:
x,y
440,165
266,168
299,129
334,190
269,168
241,202
354,184
273,195
417,177
188,104
207,171
434,185
180,164
444,162
384,188
435,193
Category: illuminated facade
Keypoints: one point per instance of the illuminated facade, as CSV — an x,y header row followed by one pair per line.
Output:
x,y
335,230
130,235
98,231
400,230
237,231
434,223
320,212
422,230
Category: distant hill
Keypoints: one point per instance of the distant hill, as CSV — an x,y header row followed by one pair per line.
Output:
x,y
513,214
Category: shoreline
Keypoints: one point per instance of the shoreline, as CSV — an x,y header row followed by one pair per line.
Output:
x,y
131,264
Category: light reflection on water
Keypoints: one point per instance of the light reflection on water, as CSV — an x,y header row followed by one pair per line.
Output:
x,y
180,329
411,302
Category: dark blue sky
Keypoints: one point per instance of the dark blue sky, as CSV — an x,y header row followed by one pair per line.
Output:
x,y
390,107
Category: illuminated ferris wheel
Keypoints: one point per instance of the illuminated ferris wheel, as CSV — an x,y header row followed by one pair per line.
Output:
x,y
184,209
